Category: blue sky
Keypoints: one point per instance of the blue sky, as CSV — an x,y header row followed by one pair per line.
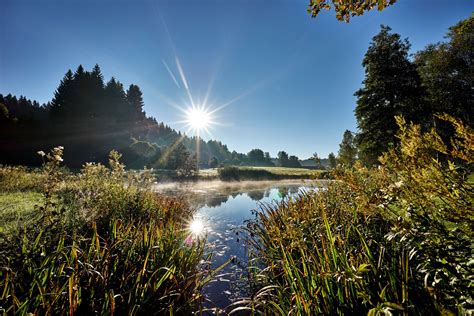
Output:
x,y
291,77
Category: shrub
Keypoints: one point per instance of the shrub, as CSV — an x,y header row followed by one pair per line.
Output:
x,y
231,173
395,238
101,243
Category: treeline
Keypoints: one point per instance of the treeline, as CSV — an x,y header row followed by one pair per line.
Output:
x,y
438,79
89,118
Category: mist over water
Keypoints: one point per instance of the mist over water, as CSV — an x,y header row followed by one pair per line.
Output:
x,y
224,208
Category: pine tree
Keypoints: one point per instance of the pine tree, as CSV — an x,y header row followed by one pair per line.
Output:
x,y
96,93
391,87
115,102
135,100
62,96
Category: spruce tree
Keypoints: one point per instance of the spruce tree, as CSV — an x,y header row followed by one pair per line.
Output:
x,y
62,96
135,100
115,102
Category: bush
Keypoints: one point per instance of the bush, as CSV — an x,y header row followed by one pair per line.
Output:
x,y
231,173
395,238
101,243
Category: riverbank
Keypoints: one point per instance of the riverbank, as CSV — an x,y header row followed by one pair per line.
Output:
x,y
240,173
97,242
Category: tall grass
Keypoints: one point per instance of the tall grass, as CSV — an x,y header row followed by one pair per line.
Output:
x,y
392,239
101,243
17,178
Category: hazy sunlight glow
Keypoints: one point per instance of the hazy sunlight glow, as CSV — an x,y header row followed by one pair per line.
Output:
x,y
198,118
196,227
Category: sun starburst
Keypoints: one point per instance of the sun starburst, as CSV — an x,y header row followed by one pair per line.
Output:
x,y
198,119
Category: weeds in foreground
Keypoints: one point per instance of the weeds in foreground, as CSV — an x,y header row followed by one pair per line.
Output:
x,y
101,243
397,238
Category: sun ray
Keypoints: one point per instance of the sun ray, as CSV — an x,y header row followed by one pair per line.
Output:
x,y
171,74
185,82
170,149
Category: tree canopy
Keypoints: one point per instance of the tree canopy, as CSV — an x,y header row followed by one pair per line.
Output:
x,y
447,74
347,150
345,9
438,80
391,87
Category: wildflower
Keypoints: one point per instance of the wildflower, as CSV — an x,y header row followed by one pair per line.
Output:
x,y
189,241
58,158
41,153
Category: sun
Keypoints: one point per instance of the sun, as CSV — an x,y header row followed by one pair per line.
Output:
x,y
198,119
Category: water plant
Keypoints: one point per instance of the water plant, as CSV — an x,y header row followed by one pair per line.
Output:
x,y
101,243
397,238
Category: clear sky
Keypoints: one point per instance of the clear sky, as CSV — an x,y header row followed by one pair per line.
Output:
x,y
291,77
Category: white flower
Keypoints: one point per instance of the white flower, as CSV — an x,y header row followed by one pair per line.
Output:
x,y
58,158
41,153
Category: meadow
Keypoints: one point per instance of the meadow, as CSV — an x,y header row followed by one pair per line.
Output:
x,y
238,173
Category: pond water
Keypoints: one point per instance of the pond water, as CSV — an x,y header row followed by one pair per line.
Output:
x,y
222,209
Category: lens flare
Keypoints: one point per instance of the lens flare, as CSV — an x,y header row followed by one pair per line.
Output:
x,y
196,227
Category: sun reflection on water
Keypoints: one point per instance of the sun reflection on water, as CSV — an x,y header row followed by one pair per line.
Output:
x,y
197,227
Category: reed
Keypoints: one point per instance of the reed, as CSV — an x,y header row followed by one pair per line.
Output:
x,y
397,238
101,243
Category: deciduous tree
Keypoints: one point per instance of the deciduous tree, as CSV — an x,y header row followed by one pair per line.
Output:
x,y
345,9
347,150
391,87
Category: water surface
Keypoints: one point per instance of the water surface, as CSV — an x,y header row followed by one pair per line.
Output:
x,y
223,208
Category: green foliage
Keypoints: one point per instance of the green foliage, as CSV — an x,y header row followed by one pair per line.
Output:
x,y
256,157
4,113
13,179
293,162
397,238
282,159
347,150
17,208
317,160
213,162
285,161
332,160
232,173
91,118
101,243
447,73
345,9
180,159
391,87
